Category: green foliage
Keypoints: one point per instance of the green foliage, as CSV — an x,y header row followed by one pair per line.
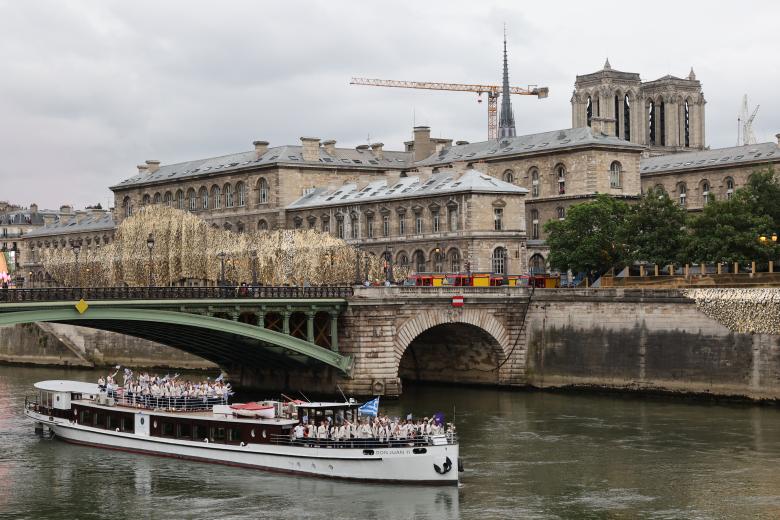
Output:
x,y
655,229
590,238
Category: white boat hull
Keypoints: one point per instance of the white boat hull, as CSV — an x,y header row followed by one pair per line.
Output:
x,y
394,464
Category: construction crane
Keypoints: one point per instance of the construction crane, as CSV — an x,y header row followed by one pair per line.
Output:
x,y
745,133
492,92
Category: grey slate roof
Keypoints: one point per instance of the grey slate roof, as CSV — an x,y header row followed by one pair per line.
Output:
x,y
24,217
91,222
763,152
407,187
289,155
525,144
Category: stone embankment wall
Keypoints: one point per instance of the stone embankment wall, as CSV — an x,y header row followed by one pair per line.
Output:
x,y
68,345
650,340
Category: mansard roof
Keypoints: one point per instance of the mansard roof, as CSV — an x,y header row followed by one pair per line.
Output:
x,y
718,157
101,221
291,155
442,183
526,145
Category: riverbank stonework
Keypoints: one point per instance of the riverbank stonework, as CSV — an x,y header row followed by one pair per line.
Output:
x,y
647,341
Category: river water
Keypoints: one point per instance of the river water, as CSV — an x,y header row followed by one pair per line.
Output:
x,y
527,455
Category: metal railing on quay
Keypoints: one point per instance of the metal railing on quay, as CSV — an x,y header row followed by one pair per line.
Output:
x,y
51,294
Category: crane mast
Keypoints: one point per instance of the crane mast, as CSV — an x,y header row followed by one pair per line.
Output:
x,y
492,91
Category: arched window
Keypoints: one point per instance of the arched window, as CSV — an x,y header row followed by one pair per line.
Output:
x,y
626,118
536,264
437,256
240,227
509,176
297,223
419,261
227,226
660,188
228,190
262,225
192,200
651,121
157,198
216,197
340,227
662,122
560,172
561,212
499,260
615,175
168,199
204,198
729,188
534,224
179,199
354,224
127,207
262,191
452,217
705,192
402,260
534,182
687,122
617,116
682,190
589,110
146,199
454,255
241,194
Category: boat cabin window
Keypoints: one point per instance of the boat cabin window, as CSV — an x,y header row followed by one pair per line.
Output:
x,y
185,430
167,429
201,432
127,425
85,416
112,423
218,434
234,435
98,420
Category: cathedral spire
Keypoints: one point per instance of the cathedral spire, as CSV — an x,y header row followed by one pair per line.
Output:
x,y
506,122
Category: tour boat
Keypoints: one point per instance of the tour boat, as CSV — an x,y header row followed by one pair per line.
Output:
x,y
200,430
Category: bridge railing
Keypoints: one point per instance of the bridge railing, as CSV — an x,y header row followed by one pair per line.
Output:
x,y
170,293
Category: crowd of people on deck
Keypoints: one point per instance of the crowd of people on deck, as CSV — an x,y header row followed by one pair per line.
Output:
x,y
166,391
380,428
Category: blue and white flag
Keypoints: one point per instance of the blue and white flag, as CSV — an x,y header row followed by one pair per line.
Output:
x,y
370,408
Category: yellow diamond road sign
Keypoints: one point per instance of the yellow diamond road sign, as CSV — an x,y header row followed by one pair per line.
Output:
x,y
82,306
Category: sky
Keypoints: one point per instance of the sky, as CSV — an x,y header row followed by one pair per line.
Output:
x,y
90,89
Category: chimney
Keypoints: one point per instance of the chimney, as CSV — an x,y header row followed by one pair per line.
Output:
x,y
423,147
48,220
64,218
377,148
153,165
260,148
142,169
66,210
80,216
33,208
329,146
603,125
311,148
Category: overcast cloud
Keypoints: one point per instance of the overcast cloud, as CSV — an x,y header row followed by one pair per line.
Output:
x,y
90,89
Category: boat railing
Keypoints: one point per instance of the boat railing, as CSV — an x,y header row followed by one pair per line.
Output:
x,y
373,443
178,404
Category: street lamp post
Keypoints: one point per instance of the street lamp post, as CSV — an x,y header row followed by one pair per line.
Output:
x,y
221,257
30,279
76,247
150,246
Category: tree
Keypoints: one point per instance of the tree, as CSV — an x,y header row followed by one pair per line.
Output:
x,y
590,238
655,229
762,192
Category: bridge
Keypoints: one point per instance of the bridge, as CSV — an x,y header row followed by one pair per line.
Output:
x,y
366,340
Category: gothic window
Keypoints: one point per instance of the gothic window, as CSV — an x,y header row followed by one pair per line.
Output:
x,y
146,200
682,190
687,116
454,261
705,192
534,182
157,198
228,189
297,223
216,197
436,222
340,228
589,110
325,225
626,118
729,188
498,219
241,194
615,171
370,227
402,224
312,221
560,172
418,224
662,122
561,212
128,208
419,261
204,198
535,224
617,116
537,264
262,225
509,176
386,225
192,200
262,191
179,199
403,260
499,260
168,198
651,122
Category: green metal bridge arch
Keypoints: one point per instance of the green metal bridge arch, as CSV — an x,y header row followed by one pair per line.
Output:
x,y
222,341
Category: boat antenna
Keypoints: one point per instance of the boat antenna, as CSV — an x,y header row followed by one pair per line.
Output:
x,y
288,397
304,396
342,394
